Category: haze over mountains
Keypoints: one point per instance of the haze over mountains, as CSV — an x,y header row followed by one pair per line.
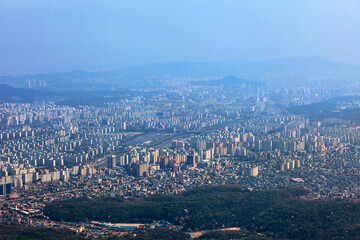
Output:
x,y
276,73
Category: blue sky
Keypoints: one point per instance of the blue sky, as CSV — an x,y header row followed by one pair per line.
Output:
x,y
49,35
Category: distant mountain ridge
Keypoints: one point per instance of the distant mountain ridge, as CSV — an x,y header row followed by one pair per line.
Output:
x,y
12,94
278,72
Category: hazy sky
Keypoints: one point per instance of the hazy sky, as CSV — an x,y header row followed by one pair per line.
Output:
x,y
62,35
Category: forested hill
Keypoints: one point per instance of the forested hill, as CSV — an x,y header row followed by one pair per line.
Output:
x,y
275,213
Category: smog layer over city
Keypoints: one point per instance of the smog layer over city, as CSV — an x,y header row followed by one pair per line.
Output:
x,y
161,119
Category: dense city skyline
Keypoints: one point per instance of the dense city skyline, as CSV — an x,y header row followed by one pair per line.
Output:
x,y
169,138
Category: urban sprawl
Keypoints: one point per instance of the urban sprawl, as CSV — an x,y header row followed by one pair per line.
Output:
x,y
168,141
